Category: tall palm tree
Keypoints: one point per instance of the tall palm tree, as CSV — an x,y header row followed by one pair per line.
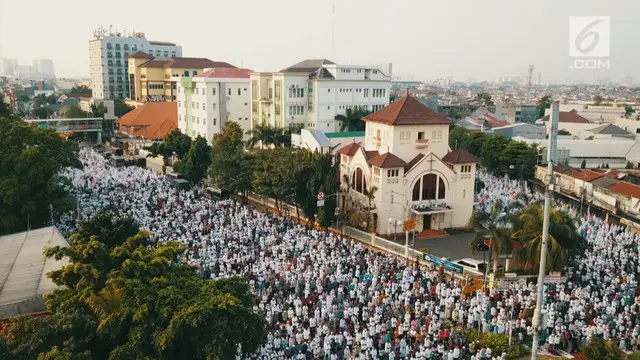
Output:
x,y
370,193
528,231
260,134
106,305
495,226
351,120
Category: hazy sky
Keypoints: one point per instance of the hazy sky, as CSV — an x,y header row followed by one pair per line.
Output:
x,y
425,39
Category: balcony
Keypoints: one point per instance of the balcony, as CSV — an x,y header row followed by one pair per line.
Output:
x,y
422,144
266,100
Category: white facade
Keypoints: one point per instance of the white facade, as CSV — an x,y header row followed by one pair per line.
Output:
x,y
208,101
313,92
108,55
408,160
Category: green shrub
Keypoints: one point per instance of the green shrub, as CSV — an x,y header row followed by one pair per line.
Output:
x,y
498,343
599,349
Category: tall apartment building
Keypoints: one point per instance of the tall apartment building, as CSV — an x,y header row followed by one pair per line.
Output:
x,y
109,53
209,100
313,92
155,78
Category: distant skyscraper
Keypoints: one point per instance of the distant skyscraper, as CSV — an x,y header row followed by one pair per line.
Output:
x,y
43,68
8,66
109,52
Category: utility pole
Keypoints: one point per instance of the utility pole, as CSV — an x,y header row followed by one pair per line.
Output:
x,y
551,157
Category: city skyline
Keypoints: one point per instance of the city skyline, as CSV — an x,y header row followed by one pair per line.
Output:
x,y
423,40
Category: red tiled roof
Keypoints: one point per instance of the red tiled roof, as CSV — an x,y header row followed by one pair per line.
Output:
x,y
407,111
158,130
225,73
387,160
460,156
371,154
184,63
613,174
587,175
413,162
569,117
626,188
150,113
350,149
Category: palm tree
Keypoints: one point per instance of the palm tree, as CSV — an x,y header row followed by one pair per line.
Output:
x,y
346,188
370,193
260,134
495,226
106,305
352,120
528,231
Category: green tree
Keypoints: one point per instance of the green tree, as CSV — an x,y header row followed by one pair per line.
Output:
x,y
29,183
98,110
474,142
351,120
231,167
196,163
42,100
120,108
370,193
629,165
259,134
81,90
494,227
519,160
131,301
492,149
543,104
484,98
43,112
73,112
176,143
628,110
274,174
5,110
597,100
583,164
600,349
458,136
527,229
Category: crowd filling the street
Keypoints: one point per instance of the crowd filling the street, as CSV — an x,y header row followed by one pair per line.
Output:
x,y
328,297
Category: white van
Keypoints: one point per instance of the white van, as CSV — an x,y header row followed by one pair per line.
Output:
x,y
474,266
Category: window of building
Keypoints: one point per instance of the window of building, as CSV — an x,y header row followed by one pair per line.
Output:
x,y
229,91
366,92
197,93
214,121
213,106
245,104
420,135
393,173
465,168
358,181
204,106
179,103
214,91
239,91
376,171
464,193
194,73
429,187
186,73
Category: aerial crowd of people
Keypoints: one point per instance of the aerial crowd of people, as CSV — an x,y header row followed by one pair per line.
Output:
x,y
325,297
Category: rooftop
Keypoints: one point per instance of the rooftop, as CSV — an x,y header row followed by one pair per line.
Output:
x,y
460,156
158,130
569,117
349,149
165,43
140,55
407,111
346,134
625,188
225,73
308,65
387,160
184,63
23,267
150,113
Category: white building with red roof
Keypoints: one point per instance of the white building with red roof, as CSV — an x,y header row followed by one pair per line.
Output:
x,y
207,101
313,91
406,157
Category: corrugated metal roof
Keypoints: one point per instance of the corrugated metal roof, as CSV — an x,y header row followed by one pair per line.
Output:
x,y
597,148
23,267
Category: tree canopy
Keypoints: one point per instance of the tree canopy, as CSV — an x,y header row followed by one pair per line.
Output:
x,y
196,162
231,167
120,299
30,160
176,143
120,108
351,120
81,90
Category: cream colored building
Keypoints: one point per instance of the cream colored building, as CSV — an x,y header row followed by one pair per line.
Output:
x,y
153,78
406,156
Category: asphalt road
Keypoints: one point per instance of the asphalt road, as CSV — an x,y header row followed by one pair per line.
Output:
x,y
451,246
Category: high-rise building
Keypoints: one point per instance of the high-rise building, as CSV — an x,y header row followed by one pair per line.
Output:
x,y
8,66
312,92
108,54
43,68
